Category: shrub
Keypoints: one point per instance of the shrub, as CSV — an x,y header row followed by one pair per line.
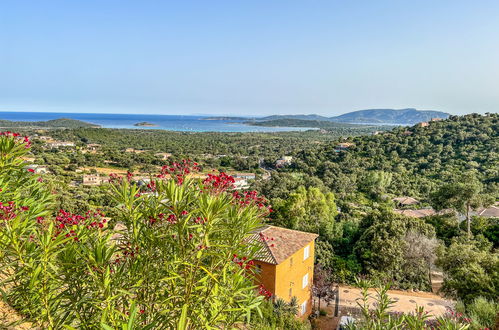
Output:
x,y
483,313
178,257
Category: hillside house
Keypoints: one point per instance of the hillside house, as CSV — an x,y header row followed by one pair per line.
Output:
x,y
246,176
284,161
488,212
92,180
240,183
92,148
28,159
60,144
38,169
163,155
421,213
405,201
436,119
135,151
285,265
43,138
343,146
424,124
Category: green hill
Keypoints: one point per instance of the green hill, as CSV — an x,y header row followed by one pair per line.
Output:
x,y
418,158
54,123
390,116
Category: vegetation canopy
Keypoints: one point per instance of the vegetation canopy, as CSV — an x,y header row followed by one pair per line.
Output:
x,y
175,255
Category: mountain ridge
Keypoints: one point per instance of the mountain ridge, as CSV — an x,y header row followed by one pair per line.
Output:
x,y
407,116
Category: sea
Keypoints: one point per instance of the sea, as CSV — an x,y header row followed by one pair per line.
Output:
x,y
164,122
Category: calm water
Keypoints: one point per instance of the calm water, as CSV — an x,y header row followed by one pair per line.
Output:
x,y
166,122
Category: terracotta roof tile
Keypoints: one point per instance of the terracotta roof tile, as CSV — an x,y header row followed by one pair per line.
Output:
x,y
405,200
280,243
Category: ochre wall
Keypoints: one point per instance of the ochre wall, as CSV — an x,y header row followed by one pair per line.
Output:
x,y
290,276
278,279
266,276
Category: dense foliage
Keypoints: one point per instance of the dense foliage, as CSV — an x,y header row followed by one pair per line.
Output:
x,y
169,259
451,164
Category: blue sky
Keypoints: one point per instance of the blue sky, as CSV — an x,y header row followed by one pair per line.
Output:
x,y
248,57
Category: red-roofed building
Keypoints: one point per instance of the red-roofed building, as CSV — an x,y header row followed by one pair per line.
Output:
x,y
285,266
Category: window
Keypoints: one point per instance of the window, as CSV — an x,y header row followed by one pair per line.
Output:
x,y
290,292
303,308
291,262
304,282
306,252
258,269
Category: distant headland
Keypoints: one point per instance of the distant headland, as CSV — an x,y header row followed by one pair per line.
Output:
x,y
54,123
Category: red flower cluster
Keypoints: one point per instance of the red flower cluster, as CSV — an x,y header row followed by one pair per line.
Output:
x,y
243,262
219,183
9,210
250,198
172,218
264,292
127,252
66,220
18,137
151,186
115,178
199,220
267,239
129,176
178,171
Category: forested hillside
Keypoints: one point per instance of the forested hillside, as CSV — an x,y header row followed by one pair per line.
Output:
x,y
389,116
344,191
418,159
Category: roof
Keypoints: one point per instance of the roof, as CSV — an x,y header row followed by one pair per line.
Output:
x,y
490,212
405,200
416,213
280,243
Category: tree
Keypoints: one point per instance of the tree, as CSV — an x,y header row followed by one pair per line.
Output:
x,y
462,195
323,285
309,210
471,269
419,256
383,248
375,183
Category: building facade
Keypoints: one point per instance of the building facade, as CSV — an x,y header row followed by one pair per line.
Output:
x,y
285,266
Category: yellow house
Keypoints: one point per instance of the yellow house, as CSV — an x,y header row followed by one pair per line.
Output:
x,y
285,265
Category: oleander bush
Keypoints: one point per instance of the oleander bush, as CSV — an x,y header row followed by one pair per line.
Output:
x,y
175,255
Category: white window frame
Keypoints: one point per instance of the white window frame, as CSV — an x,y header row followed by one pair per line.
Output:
x,y
303,308
306,252
304,281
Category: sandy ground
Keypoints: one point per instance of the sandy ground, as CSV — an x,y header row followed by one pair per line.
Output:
x,y
8,317
405,302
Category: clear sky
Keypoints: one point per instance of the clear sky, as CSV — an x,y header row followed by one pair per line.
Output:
x,y
248,57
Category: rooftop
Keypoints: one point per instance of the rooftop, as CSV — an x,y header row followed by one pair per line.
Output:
x,y
405,200
489,212
280,243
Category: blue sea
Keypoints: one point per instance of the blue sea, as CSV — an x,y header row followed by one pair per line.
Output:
x,y
164,122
